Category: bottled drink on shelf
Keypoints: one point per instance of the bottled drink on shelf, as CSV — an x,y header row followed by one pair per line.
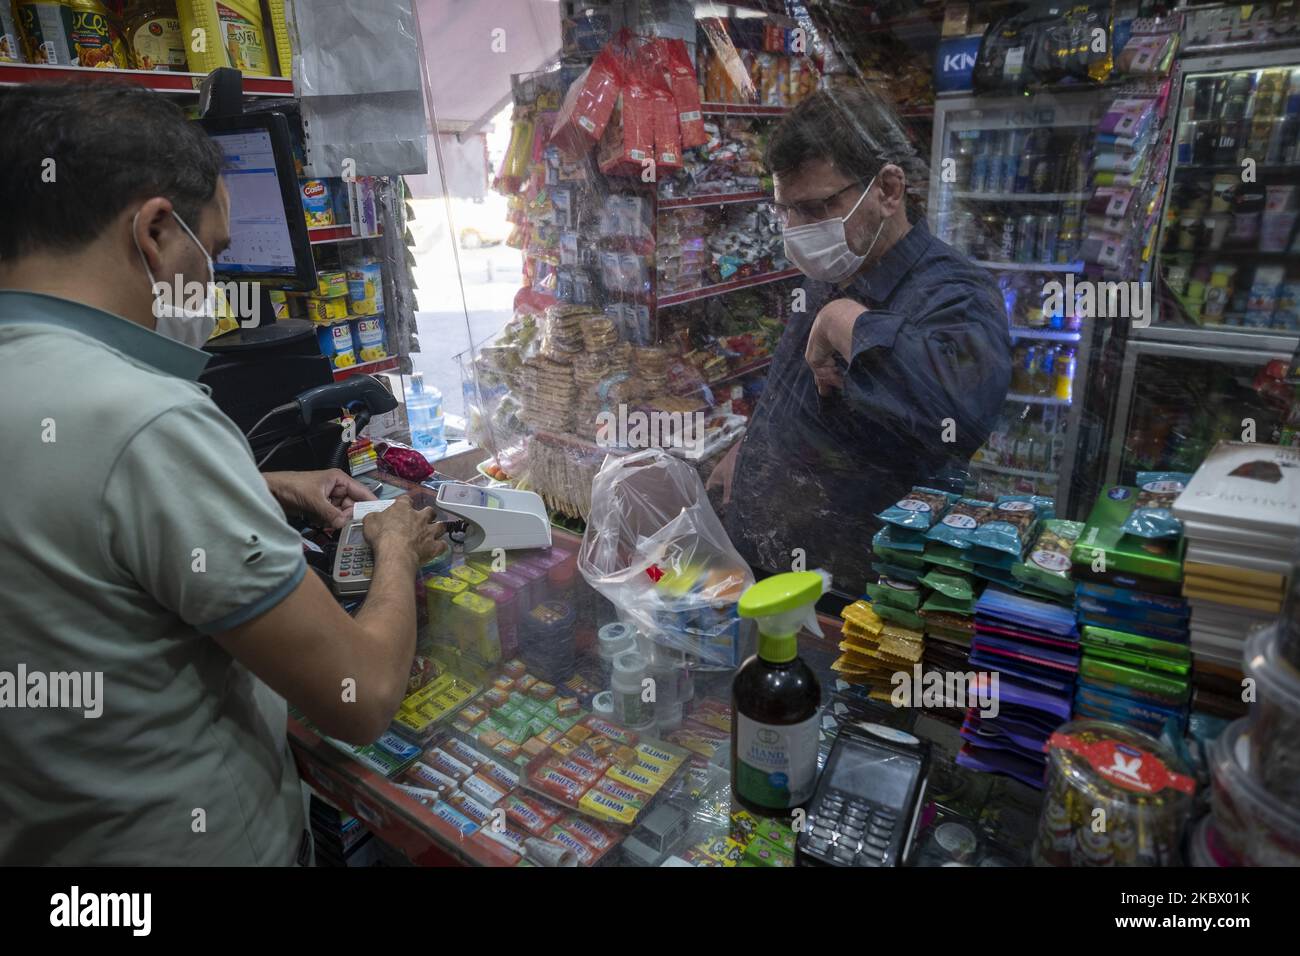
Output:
x,y
424,415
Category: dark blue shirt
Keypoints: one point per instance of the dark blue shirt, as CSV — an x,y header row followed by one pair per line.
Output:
x,y
929,372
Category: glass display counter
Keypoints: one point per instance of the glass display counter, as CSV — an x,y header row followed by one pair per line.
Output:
x,y
490,759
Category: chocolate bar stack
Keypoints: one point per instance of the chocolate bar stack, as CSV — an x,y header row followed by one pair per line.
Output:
x,y
1239,518
1137,662
1026,654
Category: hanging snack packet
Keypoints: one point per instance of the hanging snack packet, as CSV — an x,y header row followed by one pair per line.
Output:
x,y
1151,516
962,518
919,510
896,593
1048,563
1012,526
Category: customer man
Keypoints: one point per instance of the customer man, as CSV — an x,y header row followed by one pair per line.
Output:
x,y
155,599
893,364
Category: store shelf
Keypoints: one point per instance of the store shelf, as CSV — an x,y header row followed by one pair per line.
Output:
x,y
1030,266
1021,197
366,368
160,81
1235,168
715,199
742,371
1015,472
917,113
324,235
1015,397
1046,335
677,298
742,109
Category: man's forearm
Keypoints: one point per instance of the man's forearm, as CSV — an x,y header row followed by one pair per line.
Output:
x,y
388,616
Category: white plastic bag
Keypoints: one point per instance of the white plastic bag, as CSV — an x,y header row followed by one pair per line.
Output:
x,y
656,550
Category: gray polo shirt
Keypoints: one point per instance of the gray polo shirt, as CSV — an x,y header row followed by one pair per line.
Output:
x,y
134,525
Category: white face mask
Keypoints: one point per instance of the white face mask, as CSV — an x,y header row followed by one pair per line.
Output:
x,y
821,249
188,326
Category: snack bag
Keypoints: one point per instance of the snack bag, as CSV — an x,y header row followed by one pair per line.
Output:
x,y
955,527
901,594
674,60
1011,527
588,106
919,510
1048,563
1151,516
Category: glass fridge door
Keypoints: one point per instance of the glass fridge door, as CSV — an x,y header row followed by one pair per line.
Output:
x,y
1183,399
1008,186
1229,253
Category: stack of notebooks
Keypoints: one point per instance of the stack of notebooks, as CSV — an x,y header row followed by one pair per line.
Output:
x,y
873,651
1241,518
1032,647
1136,663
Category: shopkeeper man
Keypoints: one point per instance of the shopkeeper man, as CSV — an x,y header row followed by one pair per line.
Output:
x,y
893,364
155,600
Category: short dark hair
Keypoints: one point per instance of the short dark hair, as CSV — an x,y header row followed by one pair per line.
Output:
x,y
850,127
111,146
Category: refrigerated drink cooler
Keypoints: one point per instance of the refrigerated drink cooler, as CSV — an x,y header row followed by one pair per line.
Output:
x,y
1008,186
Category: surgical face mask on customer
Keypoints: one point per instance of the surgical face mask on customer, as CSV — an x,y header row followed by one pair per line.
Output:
x,y
189,326
821,249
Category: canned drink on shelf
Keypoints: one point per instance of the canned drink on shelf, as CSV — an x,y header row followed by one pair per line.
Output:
x,y
1048,227
979,176
1007,242
1027,238
988,235
1025,172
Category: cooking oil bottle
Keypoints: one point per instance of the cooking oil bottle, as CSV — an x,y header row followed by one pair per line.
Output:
x,y
224,33
153,36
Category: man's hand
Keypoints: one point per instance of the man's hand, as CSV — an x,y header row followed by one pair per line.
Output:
x,y
724,472
832,334
401,527
328,495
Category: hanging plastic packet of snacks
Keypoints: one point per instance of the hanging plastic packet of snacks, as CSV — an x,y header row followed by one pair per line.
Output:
x,y
1152,516
919,510
1011,528
962,519
1047,565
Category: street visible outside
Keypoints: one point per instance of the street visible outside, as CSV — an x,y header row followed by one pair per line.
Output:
x,y
449,323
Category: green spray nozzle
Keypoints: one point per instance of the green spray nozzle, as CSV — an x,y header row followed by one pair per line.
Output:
x,y
782,605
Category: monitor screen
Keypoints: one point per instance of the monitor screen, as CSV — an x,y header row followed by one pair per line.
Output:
x,y
260,242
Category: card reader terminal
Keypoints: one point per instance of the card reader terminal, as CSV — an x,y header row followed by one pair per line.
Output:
x,y
354,562
865,808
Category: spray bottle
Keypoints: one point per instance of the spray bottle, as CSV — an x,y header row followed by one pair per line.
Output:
x,y
776,698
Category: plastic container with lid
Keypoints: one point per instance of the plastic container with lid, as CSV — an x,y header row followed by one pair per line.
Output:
x,y
537,590
1252,823
469,574
628,688
1274,718
546,641
1205,848
507,615
473,626
612,640
439,593
1137,783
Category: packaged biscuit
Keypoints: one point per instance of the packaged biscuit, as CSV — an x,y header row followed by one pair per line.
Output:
x,y
1011,526
919,510
899,616
1152,516
1047,565
895,538
955,527
950,585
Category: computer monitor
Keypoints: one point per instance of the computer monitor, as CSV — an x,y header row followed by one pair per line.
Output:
x,y
268,231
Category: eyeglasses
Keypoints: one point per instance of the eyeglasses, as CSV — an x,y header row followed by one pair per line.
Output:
x,y
811,210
